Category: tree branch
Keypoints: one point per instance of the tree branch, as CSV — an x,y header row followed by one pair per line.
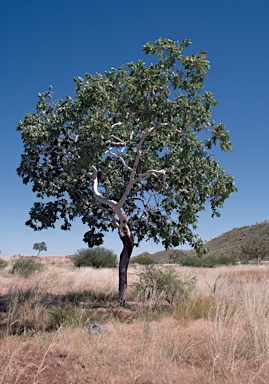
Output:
x,y
119,158
123,227
138,156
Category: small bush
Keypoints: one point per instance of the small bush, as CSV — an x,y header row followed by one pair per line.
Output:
x,y
26,267
157,285
3,264
143,260
97,257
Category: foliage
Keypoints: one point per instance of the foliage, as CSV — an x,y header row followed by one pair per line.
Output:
x,y
132,151
208,261
97,257
157,285
143,259
227,260
40,247
69,316
26,267
191,261
3,264
255,248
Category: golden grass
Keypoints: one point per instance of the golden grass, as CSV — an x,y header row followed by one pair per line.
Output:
x,y
219,335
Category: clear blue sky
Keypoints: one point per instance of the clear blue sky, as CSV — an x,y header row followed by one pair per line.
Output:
x,y
49,42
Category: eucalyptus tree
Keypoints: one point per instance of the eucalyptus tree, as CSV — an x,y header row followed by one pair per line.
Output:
x,y
130,152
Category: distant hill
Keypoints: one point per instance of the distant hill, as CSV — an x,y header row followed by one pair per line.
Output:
x,y
226,244
162,257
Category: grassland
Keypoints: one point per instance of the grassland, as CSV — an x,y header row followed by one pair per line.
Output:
x,y
220,334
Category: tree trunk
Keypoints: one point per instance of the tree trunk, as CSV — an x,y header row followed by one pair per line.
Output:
x,y
128,244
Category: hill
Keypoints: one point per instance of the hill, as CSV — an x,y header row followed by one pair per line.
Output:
x,y
226,244
163,257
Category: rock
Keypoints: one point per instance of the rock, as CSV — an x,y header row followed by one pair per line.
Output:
x,y
97,329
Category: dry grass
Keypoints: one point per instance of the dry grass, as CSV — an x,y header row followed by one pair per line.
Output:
x,y
219,335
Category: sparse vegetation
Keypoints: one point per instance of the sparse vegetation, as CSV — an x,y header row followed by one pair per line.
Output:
x,y
214,330
3,264
97,257
25,266
69,316
157,285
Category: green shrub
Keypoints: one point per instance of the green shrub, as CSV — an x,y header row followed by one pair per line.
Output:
x,y
208,261
227,260
191,261
26,266
159,285
68,316
97,257
245,262
3,264
143,259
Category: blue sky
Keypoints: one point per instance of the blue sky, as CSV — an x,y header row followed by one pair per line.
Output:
x,y
50,42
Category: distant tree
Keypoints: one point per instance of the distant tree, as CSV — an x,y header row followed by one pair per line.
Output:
x,y
176,256
255,248
40,247
131,152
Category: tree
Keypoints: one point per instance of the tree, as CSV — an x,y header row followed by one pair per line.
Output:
x,y
255,248
130,152
40,247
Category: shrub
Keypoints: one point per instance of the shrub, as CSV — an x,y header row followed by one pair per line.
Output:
x,y
143,259
245,262
191,261
227,260
3,264
208,261
25,267
159,285
97,257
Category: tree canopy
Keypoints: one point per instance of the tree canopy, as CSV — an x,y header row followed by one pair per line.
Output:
x,y
40,247
255,247
131,151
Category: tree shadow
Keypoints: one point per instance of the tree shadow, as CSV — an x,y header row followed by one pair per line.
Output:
x,y
25,311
